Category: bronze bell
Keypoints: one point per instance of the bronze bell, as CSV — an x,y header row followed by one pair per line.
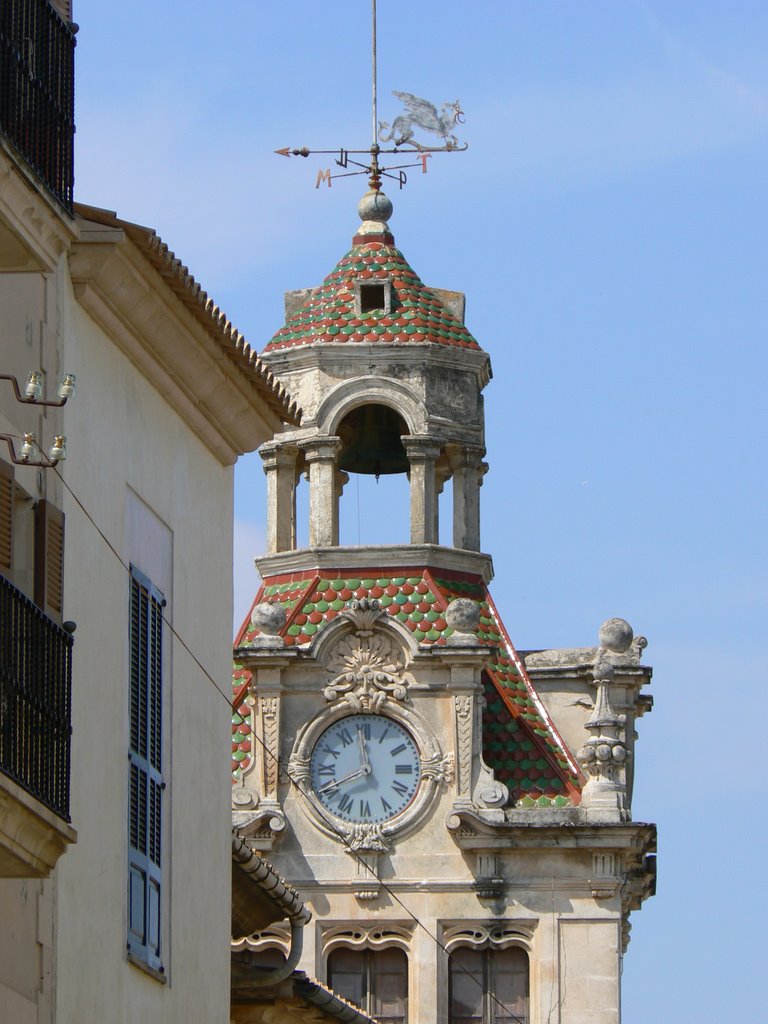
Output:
x,y
371,441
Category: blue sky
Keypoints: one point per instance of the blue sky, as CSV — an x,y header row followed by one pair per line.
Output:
x,y
608,225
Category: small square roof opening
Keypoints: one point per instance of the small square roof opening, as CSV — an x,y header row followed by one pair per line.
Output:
x,y
373,297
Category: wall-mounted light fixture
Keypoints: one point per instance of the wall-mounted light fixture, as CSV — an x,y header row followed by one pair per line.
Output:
x,y
33,389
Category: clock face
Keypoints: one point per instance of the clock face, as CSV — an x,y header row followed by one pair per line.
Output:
x,y
365,768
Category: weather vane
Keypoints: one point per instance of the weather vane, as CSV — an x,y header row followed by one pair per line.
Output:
x,y
417,114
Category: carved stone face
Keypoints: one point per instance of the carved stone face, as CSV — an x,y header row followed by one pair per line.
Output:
x,y
365,768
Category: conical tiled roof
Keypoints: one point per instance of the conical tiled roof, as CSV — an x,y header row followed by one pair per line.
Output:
x,y
329,316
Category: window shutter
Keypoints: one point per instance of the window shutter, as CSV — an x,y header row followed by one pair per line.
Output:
x,y
6,518
49,558
145,812
488,986
374,980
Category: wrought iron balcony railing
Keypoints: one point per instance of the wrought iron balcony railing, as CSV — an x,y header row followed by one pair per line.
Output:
x,y
35,700
37,91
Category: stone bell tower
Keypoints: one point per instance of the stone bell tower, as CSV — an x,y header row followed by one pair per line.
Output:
x,y
353,354
458,816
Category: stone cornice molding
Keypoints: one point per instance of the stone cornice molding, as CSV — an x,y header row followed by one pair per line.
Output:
x,y
191,357
326,355
35,230
565,828
335,560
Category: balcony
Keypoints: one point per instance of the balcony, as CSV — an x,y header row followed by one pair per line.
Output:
x,y
35,731
37,91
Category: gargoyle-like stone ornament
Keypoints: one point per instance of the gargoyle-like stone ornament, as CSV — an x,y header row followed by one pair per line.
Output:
x,y
604,755
370,662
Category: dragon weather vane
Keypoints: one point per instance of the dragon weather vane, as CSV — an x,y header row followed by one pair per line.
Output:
x,y
417,114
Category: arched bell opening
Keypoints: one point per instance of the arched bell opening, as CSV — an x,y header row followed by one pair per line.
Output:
x,y
371,441
375,503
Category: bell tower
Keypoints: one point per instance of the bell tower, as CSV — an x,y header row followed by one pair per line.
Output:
x,y
457,816
353,352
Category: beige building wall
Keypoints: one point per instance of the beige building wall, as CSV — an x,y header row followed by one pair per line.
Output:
x,y
28,340
164,501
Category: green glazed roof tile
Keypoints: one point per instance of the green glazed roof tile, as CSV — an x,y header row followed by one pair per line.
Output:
x,y
417,315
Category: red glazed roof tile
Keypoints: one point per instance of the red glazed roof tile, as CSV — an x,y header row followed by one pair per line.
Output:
x,y
329,315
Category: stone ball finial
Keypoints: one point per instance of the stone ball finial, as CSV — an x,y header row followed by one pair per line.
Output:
x,y
374,206
616,635
268,618
463,615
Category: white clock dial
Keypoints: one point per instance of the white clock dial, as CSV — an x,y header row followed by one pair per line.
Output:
x,y
365,768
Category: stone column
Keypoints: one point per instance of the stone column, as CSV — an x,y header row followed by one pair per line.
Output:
x,y
321,454
422,454
280,469
341,480
468,471
442,473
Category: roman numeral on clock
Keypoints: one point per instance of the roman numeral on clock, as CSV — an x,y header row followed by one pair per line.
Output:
x,y
345,802
326,769
346,737
399,788
404,769
398,749
365,809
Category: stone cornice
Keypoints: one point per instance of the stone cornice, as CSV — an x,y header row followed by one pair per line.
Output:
x,y
325,354
565,828
35,230
335,560
184,356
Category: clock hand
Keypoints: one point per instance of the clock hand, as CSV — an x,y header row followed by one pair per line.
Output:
x,y
363,748
335,783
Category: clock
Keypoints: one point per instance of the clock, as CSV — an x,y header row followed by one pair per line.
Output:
x,y
365,768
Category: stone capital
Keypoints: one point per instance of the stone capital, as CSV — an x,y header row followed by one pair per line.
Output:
x,y
321,449
462,456
421,447
275,454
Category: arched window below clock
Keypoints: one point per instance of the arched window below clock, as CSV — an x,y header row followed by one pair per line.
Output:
x,y
376,980
488,985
